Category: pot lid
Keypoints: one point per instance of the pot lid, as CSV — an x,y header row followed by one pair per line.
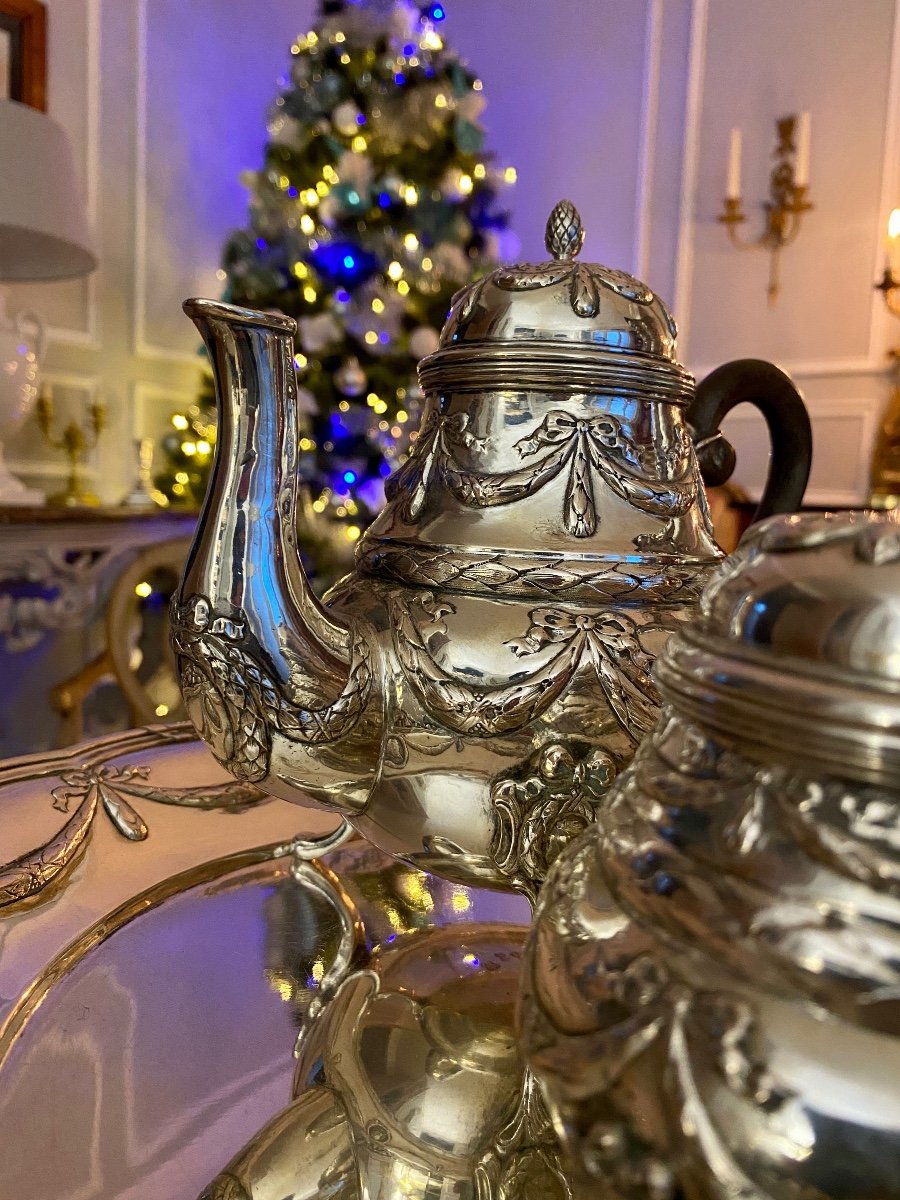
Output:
x,y
797,645
559,325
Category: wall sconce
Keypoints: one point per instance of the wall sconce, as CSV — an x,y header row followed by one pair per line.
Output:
x,y
788,185
885,473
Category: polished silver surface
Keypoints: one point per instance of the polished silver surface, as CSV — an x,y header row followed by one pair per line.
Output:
x,y
408,1079
467,696
712,988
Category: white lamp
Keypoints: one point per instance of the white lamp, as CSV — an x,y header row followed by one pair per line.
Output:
x,y
44,235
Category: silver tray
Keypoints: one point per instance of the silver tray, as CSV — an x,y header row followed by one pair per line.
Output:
x,y
152,988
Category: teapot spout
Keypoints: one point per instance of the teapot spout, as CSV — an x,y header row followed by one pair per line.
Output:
x,y
282,692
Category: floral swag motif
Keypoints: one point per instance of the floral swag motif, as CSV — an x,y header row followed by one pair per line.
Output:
x,y
235,706
610,643
657,479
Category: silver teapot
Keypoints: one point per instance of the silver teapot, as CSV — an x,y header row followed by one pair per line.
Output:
x,y
712,994
467,696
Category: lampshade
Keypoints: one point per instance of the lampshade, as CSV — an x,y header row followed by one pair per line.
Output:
x,y
44,232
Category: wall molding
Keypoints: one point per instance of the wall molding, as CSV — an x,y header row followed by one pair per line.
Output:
x,y
647,138
89,338
145,396
143,347
693,112
816,368
865,411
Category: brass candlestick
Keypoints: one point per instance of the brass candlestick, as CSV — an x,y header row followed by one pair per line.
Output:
x,y
786,204
885,474
77,440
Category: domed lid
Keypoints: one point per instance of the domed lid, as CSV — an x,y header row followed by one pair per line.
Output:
x,y
559,325
798,642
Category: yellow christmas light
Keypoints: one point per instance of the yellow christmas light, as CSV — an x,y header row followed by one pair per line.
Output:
x,y
309,294
300,361
403,287
181,476
411,242
427,264
142,589
479,170
340,36
377,305
371,337
359,144
402,415
329,173
394,270
431,41
300,269
322,188
440,100
477,85
307,444
353,532
465,184
162,710
179,421
344,406
189,448
283,182
203,447
510,174
410,195
345,59
307,224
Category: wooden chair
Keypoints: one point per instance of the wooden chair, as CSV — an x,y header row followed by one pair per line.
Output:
x,y
143,670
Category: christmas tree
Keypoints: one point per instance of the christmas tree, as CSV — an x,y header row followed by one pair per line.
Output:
x,y
374,205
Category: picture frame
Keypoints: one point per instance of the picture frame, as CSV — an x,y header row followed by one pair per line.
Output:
x,y
23,52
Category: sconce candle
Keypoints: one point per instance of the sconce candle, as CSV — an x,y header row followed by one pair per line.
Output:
x,y
893,242
734,166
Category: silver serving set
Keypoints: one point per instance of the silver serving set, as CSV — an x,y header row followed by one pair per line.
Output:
x,y
707,995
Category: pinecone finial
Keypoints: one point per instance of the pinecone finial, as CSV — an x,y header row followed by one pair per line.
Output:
x,y
564,236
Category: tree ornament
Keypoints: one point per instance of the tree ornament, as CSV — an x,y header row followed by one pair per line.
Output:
x,y
345,118
423,341
350,378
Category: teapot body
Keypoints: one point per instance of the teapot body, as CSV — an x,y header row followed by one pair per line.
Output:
x,y
518,680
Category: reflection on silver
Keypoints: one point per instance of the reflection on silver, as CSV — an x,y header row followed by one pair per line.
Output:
x,y
468,694
409,1082
712,989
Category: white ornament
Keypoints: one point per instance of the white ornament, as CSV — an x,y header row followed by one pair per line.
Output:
x,y
355,169
471,106
453,261
318,332
306,402
423,341
344,118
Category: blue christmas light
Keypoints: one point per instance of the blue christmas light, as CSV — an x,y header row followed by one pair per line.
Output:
x,y
433,12
260,243
384,199
292,192
342,296
399,79
349,477
360,118
384,337
343,263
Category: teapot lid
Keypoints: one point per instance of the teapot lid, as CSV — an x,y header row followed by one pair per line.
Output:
x,y
797,644
562,325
